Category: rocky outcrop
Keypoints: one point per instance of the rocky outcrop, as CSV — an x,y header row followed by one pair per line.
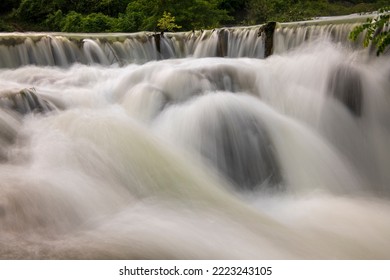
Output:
x,y
222,45
267,31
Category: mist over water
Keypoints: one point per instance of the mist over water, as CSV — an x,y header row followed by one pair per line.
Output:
x,y
199,158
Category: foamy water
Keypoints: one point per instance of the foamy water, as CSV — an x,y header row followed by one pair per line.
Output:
x,y
227,158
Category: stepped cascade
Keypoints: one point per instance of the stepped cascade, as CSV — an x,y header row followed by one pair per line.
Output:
x,y
63,49
259,142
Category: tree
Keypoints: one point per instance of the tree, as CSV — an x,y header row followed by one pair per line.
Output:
x,y
203,14
167,22
189,14
72,23
55,20
98,22
258,11
236,9
141,15
377,31
34,11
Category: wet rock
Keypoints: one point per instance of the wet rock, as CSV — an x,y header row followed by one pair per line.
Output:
x,y
25,102
157,40
345,85
13,106
239,145
267,31
222,44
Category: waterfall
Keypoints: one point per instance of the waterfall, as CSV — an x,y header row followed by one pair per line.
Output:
x,y
288,36
193,146
61,49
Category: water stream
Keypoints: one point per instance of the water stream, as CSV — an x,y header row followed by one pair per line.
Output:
x,y
112,150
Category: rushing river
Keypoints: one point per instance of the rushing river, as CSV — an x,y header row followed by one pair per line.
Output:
x,y
196,157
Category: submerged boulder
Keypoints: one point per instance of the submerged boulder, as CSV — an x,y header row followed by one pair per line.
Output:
x,y
245,153
230,133
345,85
25,102
13,106
237,142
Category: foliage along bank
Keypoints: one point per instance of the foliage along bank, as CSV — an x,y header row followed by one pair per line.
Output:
x,y
162,15
377,31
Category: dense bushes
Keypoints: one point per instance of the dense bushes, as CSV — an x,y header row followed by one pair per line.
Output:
x,y
121,15
36,11
260,11
76,22
136,15
4,27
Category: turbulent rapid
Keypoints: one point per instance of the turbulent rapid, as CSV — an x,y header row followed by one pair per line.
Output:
x,y
198,157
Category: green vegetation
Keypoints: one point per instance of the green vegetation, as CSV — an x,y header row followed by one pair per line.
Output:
x,y
377,31
162,15
167,22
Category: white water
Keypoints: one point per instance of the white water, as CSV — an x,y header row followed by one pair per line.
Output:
x,y
171,159
64,49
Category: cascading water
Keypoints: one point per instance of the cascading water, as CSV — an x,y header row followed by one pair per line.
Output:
x,y
291,35
192,157
65,49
